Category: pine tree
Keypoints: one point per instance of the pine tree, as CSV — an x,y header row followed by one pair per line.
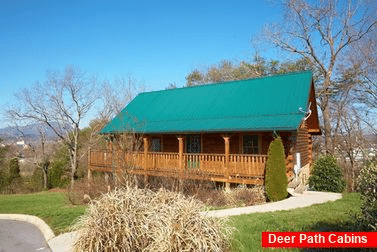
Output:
x,y
276,181
14,168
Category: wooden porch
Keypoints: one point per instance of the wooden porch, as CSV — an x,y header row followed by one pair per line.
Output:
x,y
229,168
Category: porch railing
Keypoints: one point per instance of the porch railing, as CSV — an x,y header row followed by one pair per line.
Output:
x,y
163,160
247,164
235,165
211,163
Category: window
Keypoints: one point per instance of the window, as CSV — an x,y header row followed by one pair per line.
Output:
x,y
156,145
250,144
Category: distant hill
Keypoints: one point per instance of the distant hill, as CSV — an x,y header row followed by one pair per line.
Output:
x,y
30,132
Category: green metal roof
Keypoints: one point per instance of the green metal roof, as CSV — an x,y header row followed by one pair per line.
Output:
x,y
259,104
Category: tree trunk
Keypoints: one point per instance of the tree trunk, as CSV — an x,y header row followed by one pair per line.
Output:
x,y
326,122
44,179
74,153
326,110
73,159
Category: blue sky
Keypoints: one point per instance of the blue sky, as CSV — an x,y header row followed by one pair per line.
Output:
x,y
159,42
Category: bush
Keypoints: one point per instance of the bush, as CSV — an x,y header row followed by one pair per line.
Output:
x,y
57,174
37,181
208,192
80,193
367,186
4,179
276,181
134,219
326,175
14,168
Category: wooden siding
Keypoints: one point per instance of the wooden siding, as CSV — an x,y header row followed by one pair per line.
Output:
x,y
303,142
234,144
213,143
170,143
312,122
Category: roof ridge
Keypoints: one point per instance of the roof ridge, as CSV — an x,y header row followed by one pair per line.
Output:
x,y
230,81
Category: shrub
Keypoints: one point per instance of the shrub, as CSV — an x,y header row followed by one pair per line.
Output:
x,y
326,175
276,181
18,185
14,168
367,186
80,193
57,176
134,219
4,179
37,179
237,197
250,196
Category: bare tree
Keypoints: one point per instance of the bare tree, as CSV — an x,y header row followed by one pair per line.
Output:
x,y
115,96
61,103
321,31
41,156
351,142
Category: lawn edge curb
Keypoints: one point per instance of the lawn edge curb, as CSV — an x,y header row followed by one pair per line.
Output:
x,y
36,221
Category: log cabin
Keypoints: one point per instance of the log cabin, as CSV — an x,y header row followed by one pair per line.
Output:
x,y
219,132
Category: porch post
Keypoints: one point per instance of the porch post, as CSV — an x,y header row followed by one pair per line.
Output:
x,y
145,163
112,157
180,146
226,172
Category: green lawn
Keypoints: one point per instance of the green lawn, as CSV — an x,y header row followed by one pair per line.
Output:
x,y
53,208
330,216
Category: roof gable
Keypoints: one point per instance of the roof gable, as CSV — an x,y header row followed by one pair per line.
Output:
x,y
267,103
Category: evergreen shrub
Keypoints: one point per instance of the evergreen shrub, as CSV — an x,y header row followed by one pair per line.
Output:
x,y
4,179
57,176
37,180
367,187
14,168
326,175
276,181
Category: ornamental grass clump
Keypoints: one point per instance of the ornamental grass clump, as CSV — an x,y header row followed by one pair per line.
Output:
x,y
132,219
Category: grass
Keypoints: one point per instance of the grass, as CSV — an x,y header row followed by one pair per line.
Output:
x,y
52,207
331,216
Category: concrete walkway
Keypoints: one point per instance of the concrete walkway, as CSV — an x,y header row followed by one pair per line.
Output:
x,y
63,242
308,198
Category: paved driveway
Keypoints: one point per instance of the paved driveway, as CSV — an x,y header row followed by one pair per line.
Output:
x,y
20,236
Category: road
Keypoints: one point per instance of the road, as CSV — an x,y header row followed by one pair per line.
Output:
x,y
20,236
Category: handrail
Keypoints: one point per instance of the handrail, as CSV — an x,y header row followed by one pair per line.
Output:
x,y
236,164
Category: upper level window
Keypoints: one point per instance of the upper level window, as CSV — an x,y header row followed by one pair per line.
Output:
x,y
250,144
